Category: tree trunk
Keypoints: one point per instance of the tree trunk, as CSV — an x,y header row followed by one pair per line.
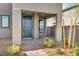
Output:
x,y
64,36
70,36
74,34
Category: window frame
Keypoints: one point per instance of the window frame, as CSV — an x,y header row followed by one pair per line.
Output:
x,y
8,21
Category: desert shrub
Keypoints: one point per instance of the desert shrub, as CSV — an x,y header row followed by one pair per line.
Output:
x,y
48,42
13,49
59,50
76,51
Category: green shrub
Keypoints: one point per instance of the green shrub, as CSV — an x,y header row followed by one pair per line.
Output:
x,y
76,51
13,49
48,42
59,51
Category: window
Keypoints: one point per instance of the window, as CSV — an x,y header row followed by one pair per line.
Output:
x,y
41,24
5,21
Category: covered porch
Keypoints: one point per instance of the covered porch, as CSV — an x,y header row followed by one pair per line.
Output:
x,y
38,17
38,25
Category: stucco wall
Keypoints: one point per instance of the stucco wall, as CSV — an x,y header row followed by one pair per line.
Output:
x,y
5,9
41,7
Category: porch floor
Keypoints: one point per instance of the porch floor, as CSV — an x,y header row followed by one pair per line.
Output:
x,y
31,44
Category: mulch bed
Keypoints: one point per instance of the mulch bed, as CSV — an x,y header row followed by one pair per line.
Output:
x,y
18,54
52,51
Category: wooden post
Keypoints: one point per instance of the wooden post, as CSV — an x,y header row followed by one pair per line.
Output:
x,y
70,34
64,37
74,34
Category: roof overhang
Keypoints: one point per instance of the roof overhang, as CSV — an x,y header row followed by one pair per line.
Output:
x,y
71,8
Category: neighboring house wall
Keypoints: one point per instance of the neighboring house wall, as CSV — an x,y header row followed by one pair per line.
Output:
x,y
54,8
68,16
5,9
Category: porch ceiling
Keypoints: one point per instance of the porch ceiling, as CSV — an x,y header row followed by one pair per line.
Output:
x,y
43,14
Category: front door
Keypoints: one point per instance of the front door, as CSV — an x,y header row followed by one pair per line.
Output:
x,y
27,26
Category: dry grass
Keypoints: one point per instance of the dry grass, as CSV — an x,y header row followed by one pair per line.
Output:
x,y
53,52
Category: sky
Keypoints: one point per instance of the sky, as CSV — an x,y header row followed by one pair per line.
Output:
x,y
67,5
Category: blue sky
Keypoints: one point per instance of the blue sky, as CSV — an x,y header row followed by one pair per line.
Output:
x,y
67,5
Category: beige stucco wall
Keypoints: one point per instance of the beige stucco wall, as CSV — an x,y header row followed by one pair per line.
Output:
x,y
54,8
41,7
5,9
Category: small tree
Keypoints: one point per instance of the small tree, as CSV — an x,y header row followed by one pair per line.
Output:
x,y
76,15
70,34
64,36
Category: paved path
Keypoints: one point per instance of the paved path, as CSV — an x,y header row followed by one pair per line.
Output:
x,y
39,52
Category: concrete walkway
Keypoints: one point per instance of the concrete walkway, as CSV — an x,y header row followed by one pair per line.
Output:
x,y
39,52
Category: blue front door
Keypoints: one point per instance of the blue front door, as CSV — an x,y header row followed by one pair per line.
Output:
x,y
27,26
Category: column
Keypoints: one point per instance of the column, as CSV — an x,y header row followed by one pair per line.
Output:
x,y
16,26
58,31
36,26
